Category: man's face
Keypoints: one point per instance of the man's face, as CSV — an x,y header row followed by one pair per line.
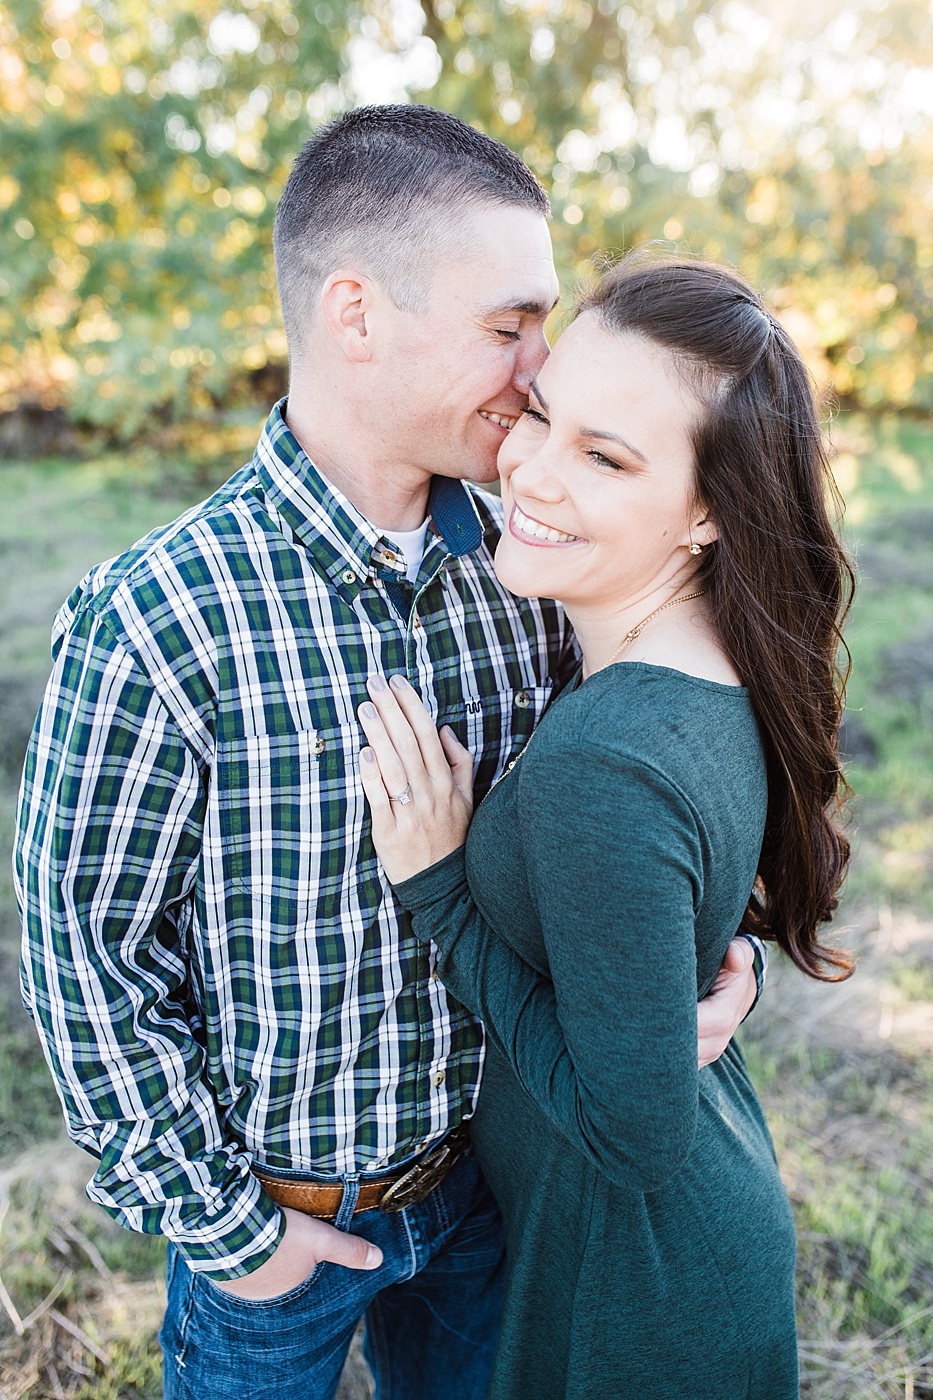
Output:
x,y
454,376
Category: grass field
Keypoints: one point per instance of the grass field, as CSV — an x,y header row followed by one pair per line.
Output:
x,y
846,1072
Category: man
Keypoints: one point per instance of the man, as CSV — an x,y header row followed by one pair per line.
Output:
x,y
241,1027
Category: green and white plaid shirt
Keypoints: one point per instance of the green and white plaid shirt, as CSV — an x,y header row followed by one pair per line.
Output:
x,y
215,962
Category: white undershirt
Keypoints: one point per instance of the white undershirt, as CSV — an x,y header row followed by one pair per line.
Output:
x,y
411,543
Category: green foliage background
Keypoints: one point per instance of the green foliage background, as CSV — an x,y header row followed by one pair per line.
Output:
x,y
143,145
142,149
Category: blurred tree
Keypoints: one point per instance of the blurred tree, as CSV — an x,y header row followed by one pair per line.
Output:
x,y
142,147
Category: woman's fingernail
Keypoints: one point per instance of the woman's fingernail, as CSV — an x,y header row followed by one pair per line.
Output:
x,y
398,682
373,1257
368,711
377,683
367,756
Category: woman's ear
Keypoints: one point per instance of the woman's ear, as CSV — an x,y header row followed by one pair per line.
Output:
x,y
699,533
346,305
704,531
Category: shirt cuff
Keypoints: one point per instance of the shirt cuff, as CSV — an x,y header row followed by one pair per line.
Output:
x,y
760,965
226,1227
244,1246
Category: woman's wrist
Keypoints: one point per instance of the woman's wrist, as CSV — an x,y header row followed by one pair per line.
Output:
x,y
445,877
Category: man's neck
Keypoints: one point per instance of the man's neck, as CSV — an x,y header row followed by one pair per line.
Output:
x,y
394,495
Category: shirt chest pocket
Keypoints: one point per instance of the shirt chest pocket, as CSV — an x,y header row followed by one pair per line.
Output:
x,y
496,727
278,815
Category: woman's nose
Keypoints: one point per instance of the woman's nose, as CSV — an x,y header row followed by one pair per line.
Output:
x,y
536,476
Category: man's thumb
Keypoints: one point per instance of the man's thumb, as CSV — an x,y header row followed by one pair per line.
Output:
x,y
352,1251
739,956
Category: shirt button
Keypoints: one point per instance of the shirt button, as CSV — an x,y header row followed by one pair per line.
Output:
x,y
439,1076
348,576
418,622
319,746
523,700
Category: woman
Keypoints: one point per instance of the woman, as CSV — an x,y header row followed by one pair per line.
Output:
x,y
667,483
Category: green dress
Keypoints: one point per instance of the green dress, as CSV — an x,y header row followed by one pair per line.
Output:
x,y
650,1240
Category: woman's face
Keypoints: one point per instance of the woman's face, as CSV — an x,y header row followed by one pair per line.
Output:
x,y
597,475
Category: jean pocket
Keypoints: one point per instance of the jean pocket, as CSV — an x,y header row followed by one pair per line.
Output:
x,y
222,1296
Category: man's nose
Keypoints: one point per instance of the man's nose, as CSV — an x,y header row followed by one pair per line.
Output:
x,y
530,360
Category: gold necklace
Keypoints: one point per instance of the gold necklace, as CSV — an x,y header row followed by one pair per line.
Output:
x,y
509,766
636,631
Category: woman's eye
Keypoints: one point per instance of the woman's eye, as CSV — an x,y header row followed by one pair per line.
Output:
x,y
602,460
535,416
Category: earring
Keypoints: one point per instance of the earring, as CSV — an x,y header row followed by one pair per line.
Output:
x,y
696,548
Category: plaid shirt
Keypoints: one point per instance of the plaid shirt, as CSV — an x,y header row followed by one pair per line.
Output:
x,y
214,959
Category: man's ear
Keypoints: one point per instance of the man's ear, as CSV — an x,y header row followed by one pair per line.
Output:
x,y
347,304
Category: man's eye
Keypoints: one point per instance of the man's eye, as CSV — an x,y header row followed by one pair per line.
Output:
x,y
535,416
508,335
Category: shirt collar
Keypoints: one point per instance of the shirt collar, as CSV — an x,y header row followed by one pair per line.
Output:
x,y
330,527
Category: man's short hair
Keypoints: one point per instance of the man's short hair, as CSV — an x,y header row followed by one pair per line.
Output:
x,y
383,189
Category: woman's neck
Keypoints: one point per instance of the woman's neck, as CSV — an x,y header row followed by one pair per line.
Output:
x,y
681,636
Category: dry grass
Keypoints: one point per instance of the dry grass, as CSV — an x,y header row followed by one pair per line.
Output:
x,y
81,1312
75,1326
846,1074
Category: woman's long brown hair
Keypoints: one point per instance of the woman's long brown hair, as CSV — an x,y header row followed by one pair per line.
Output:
x,y
778,581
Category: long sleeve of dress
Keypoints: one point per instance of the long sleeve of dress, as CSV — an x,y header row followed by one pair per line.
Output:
x,y
606,1045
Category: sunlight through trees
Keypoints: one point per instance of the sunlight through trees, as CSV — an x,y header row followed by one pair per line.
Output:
x,y
142,148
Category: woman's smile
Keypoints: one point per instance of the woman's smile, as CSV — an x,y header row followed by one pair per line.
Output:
x,y
535,532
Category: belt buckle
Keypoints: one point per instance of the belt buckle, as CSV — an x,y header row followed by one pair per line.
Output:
x,y
422,1178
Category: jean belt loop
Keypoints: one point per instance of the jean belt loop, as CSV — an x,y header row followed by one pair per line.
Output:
x,y
351,1192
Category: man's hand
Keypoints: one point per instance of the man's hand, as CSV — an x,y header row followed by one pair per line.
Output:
x,y
723,1009
304,1245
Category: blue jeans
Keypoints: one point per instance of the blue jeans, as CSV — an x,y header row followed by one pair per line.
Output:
x,y
431,1310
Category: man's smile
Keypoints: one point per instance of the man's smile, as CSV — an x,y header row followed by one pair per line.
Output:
x,y
502,420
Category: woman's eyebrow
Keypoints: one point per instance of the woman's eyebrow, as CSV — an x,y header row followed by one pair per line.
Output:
x,y
614,437
593,432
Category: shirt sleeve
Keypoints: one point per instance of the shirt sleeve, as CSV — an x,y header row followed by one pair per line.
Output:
x,y
607,1045
108,845
760,965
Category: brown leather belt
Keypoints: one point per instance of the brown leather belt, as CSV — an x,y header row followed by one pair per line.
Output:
x,y
390,1193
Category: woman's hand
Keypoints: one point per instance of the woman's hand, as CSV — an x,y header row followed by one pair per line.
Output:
x,y
407,759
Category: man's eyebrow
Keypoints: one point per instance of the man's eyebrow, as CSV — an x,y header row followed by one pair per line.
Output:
x,y
614,437
535,389
526,307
